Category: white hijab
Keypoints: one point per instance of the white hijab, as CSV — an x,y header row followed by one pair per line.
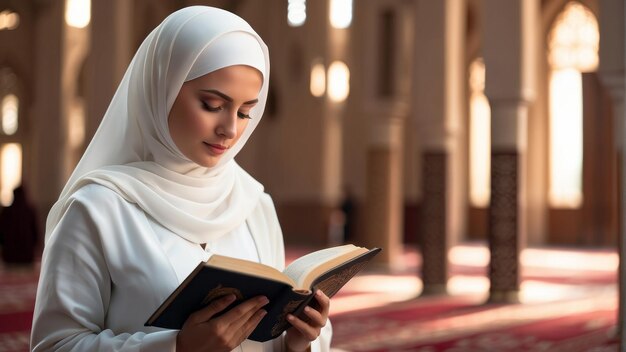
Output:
x,y
132,151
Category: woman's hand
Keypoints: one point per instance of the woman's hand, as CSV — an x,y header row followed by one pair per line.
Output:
x,y
202,332
300,335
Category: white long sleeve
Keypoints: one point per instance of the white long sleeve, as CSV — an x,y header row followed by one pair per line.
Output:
x,y
107,267
91,272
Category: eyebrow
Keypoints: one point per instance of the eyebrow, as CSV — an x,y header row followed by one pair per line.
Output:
x,y
227,98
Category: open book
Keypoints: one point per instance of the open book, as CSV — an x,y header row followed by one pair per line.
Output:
x,y
288,291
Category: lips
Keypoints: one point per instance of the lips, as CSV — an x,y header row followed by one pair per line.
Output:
x,y
216,149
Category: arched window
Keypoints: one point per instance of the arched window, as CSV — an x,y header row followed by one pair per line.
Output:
x,y
296,12
340,13
479,136
338,81
11,166
317,84
573,49
10,148
78,13
9,106
9,20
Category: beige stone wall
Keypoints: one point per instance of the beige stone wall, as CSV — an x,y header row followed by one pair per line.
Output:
x,y
306,149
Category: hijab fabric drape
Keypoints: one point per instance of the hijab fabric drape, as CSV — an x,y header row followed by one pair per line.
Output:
x,y
132,151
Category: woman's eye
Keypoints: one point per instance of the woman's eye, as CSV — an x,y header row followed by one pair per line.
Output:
x,y
241,115
210,108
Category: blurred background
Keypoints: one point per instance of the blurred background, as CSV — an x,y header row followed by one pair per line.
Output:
x,y
475,140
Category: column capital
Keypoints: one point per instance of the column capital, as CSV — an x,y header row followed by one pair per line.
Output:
x,y
386,132
509,120
510,47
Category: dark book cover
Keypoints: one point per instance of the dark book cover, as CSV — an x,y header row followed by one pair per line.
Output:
x,y
207,283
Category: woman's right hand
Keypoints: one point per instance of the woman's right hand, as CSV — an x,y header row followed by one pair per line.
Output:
x,y
202,332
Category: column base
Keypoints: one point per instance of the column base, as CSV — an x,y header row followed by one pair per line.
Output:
x,y
434,290
504,296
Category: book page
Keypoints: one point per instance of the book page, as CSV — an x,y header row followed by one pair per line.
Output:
x,y
248,267
320,261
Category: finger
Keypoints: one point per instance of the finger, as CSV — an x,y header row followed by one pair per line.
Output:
x,y
309,332
316,319
324,303
213,308
248,327
237,316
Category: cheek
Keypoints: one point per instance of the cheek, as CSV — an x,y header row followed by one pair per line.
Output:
x,y
186,127
241,127
195,123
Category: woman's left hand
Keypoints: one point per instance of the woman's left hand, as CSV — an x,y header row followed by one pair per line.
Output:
x,y
300,335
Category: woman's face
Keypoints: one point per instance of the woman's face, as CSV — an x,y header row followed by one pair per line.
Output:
x,y
211,112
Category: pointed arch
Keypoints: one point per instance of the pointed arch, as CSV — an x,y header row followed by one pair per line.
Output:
x,y
572,49
10,144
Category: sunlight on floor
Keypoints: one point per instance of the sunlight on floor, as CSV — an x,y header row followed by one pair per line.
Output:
x,y
465,284
366,291
477,256
560,268
562,259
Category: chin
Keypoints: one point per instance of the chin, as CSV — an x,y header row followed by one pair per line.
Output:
x,y
207,163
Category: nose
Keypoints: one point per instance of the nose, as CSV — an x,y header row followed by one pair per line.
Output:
x,y
227,127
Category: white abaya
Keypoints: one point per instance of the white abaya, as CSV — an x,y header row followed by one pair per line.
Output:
x,y
129,224
102,279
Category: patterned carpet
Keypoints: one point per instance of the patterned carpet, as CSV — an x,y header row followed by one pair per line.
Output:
x,y
462,324
18,287
569,303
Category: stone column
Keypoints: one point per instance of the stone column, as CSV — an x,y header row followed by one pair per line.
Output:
x,y
612,72
508,53
337,49
383,100
506,214
49,137
109,56
300,140
76,49
439,97
384,190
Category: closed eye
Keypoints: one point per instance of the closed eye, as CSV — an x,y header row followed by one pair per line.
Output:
x,y
241,115
210,108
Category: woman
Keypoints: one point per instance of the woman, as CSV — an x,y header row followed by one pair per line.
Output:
x,y
158,191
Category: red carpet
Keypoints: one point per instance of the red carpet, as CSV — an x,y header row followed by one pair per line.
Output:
x,y
18,287
458,324
568,308
570,305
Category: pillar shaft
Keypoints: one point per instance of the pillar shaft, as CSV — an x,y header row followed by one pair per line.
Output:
x,y
612,72
439,85
49,139
508,53
109,56
433,242
384,191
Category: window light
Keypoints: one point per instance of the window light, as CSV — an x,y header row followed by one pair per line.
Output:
x,y
9,114
11,168
9,20
78,13
318,79
340,13
296,12
338,81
